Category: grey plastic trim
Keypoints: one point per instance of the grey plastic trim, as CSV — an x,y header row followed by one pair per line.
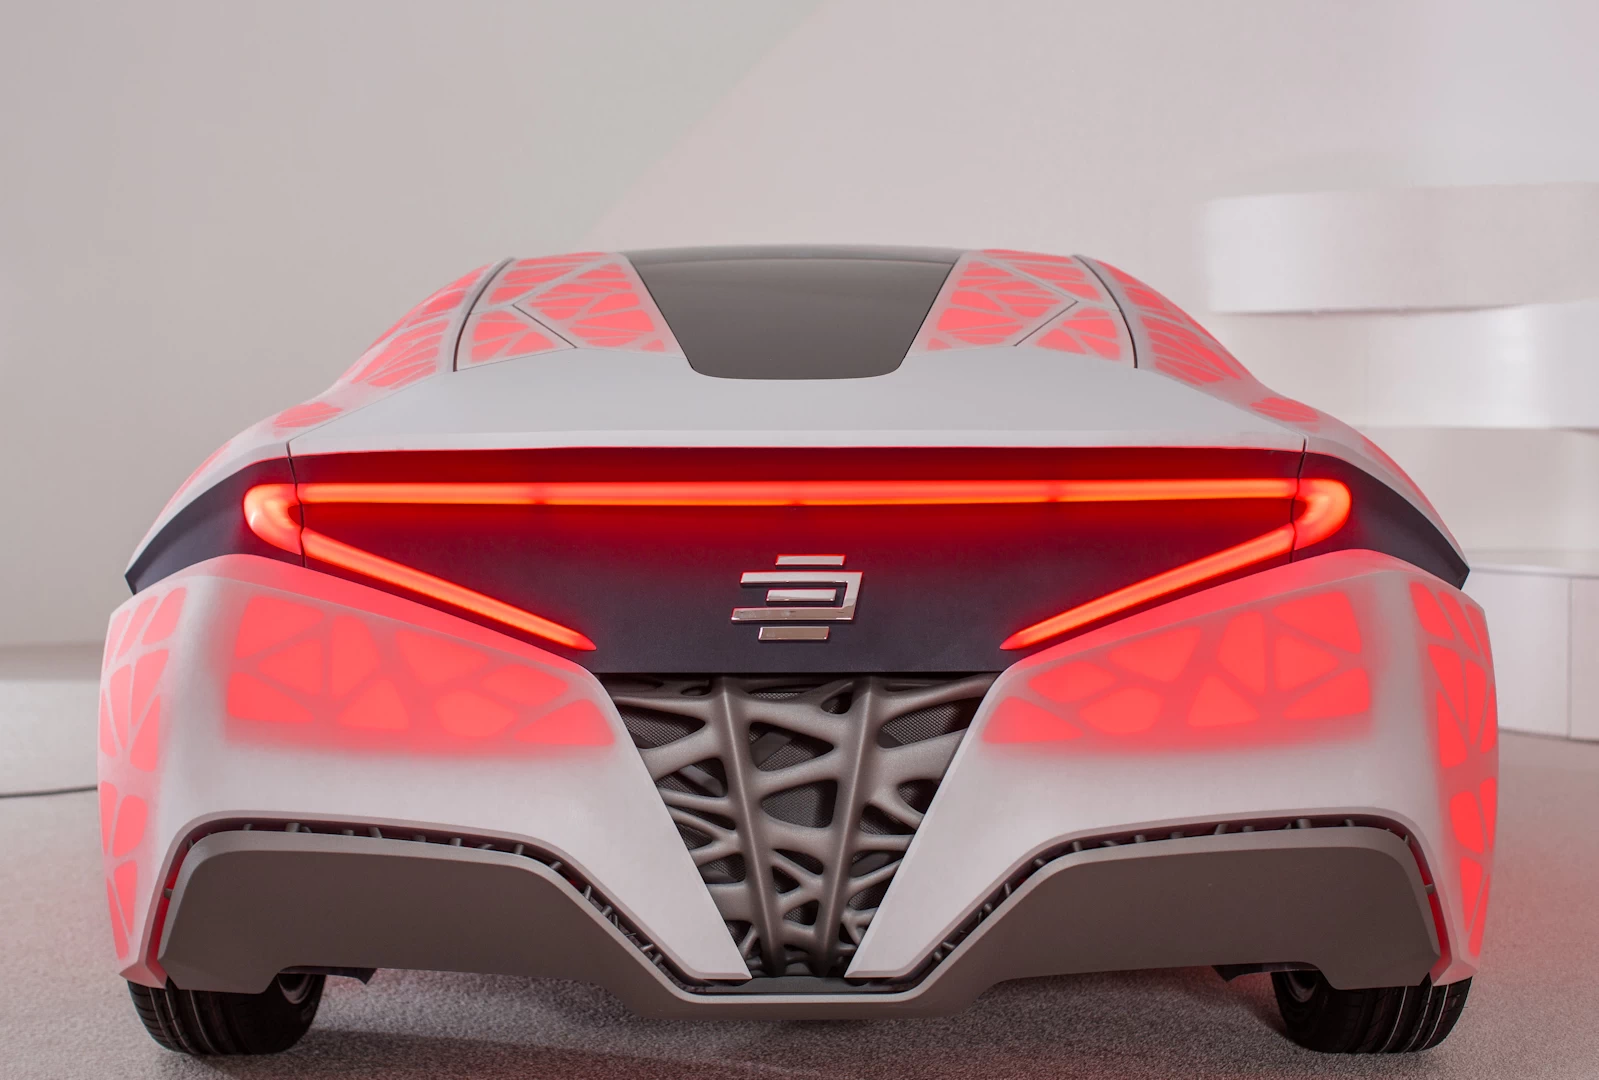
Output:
x,y
1347,900
248,904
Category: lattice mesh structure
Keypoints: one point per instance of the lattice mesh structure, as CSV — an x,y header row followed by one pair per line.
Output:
x,y
797,795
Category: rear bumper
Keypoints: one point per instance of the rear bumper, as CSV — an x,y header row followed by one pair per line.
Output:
x,y
249,904
1350,686
1027,862
282,694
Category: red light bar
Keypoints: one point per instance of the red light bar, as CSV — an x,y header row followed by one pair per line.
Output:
x,y
267,511
798,492
1324,509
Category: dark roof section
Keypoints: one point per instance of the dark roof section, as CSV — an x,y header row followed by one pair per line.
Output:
x,y
794,312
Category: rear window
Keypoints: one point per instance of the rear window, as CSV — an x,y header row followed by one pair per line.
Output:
x,y
794,313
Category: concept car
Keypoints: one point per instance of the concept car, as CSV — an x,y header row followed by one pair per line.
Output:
x,y
797,632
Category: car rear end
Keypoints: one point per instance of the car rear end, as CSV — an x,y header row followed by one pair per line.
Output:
x,y
1043,645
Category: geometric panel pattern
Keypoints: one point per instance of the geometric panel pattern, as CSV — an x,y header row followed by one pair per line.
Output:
x,y
311,674
505,335
590,299
409,355
1458,669
1087,329
1178,346
1059,271
130,744
497,331
304,415
521,277
983,302
1090,327
1171,342
1003,297
1273,671
413,347
601,305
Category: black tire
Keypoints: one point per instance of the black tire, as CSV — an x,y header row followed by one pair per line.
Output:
x,y
1384,1020
206,1022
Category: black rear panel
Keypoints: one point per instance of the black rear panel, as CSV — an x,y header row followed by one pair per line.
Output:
x,y
211,525
794,312
1384,520
655,587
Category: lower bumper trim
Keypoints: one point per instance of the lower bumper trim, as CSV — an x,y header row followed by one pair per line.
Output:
x,y
248,904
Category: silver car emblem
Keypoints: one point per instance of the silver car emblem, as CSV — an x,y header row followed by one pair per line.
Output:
x,y
796,603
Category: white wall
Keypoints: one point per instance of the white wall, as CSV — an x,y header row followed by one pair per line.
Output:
x,y
1070,125
207,210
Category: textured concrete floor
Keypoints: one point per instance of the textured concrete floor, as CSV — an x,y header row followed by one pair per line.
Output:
x,y
1531,1014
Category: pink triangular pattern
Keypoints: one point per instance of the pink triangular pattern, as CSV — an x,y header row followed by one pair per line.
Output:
x,y
601,305
1086,330
132,684
985,302
525,275
587,300
361,681
505,334
1239,676
1462,694
1061,272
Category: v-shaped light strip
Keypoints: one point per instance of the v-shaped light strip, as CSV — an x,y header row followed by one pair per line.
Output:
x,y
1323,507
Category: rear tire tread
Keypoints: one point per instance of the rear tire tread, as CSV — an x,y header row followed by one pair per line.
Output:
x,y
1380,1020
204,1022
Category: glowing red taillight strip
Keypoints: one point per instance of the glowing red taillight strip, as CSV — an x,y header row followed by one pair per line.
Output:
x,y
267,509
1324,507
326,549
798,492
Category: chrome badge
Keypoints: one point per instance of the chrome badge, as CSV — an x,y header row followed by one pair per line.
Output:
x,y
796,603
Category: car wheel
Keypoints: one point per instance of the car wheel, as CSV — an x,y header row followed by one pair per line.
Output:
x,y
207,1022
1381,1020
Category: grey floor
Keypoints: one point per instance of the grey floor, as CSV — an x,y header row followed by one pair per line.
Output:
x,y
1534,1012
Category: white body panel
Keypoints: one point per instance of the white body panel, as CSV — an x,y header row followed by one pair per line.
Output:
x,y
1000,805
571,386
999,396
593,806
